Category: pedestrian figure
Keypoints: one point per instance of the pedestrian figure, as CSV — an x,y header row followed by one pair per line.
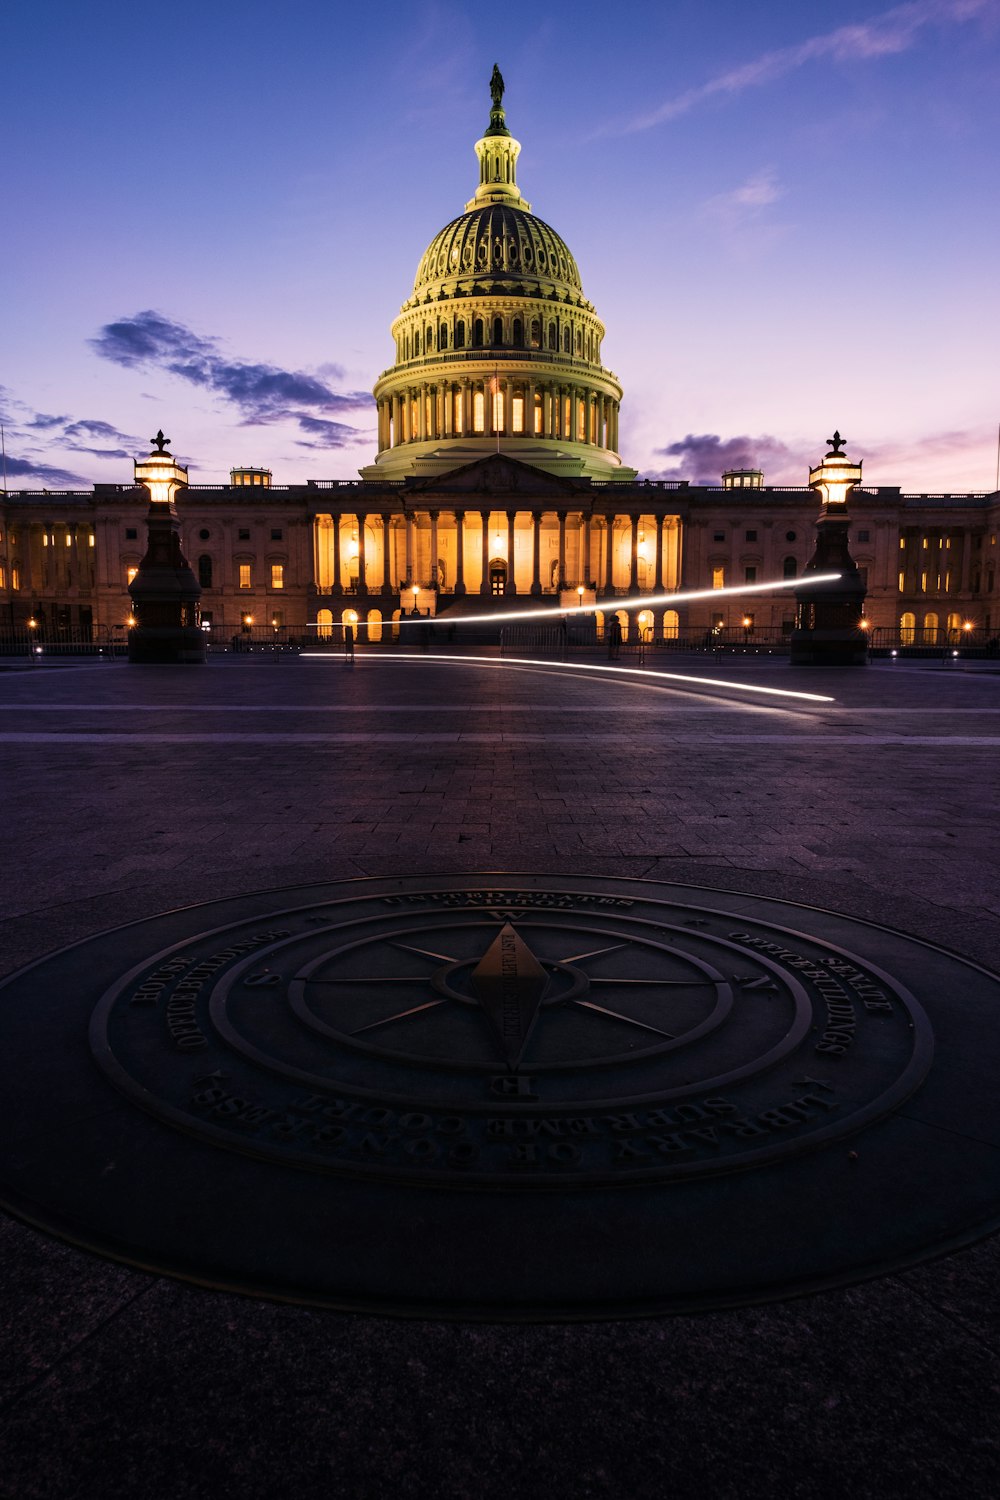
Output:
x,y
614,638
349,645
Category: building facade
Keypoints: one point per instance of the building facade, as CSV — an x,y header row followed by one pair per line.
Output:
x,y
497,479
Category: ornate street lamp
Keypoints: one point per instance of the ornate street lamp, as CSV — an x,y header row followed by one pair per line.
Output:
x,y
828,627
165,593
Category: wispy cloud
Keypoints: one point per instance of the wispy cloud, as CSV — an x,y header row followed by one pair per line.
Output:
x,y
41,473
262,393
702,458
885,35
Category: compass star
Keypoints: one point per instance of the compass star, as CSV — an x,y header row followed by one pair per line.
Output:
x,y
509,984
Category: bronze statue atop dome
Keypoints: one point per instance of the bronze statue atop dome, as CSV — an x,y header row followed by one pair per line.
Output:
x,y
496,87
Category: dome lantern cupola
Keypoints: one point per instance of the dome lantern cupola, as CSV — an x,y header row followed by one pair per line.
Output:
x,y
498,152
497,348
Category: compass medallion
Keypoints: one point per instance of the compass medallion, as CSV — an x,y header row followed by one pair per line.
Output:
x,y
505,1096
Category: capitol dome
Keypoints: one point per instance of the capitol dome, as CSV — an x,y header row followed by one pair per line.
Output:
x,y
497,347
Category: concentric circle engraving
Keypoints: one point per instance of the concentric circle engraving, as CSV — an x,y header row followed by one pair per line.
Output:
x,y
590,1096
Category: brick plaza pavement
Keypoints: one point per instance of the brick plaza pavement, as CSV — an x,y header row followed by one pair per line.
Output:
x,y
128,791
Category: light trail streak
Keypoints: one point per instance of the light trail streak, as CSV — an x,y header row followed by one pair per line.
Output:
x,y
627,602
648,675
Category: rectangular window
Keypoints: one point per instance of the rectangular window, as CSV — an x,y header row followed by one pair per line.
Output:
x,y
751,536
277,619
275,533
3,576
245,576
864,536
718,536
131,534
478,412
581,423
902,583
69,540
90,540
923,581
15,578
750,575
277,575
243,534
457,419
902,542
498,411
718,578
538,416
518,414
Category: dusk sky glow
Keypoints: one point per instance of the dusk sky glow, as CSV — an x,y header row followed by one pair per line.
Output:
x,y
787,217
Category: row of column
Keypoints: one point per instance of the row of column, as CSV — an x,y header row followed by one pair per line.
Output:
x,y
329,577
953,564
562,412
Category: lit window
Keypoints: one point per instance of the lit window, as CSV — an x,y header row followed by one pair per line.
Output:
x,y
245,575
902,583
581,422
517,414
3,577
457,424
130,574
902,542
15,578
277,575
498,411
538,415
478,411
923,580
90,540
718,578
69,540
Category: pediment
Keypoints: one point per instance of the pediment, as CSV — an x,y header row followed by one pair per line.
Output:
x,y
499,474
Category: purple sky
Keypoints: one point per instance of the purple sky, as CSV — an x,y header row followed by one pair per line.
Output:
x,y
787,216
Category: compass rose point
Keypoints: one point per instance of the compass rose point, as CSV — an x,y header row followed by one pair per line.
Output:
x,y
509,983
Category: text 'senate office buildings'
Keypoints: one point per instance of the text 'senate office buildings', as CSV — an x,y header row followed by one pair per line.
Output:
x,y
497,476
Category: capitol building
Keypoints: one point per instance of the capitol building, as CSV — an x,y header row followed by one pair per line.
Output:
x,y
498,481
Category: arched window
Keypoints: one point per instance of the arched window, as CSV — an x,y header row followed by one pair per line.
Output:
x,y
324,624
579,342
517,333
498,330
478,411
429,338
536,333
566,343
907,625
374,624
443,336
416,344
477,333
789,568
460,334
671,624
205,571
553,344
930,628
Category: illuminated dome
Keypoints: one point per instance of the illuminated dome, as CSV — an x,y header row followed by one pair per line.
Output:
x,y
509,246
497,348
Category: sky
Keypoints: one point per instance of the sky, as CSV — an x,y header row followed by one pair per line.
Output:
x,y
787,215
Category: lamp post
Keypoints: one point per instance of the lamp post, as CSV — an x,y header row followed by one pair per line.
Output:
x,y
828,629
165,593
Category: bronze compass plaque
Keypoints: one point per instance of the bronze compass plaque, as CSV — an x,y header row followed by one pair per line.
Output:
x,y
505,1097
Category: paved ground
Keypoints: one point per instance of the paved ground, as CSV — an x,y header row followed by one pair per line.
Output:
x,y
130,790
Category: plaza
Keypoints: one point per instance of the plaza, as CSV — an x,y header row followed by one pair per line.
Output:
x,y
133,791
